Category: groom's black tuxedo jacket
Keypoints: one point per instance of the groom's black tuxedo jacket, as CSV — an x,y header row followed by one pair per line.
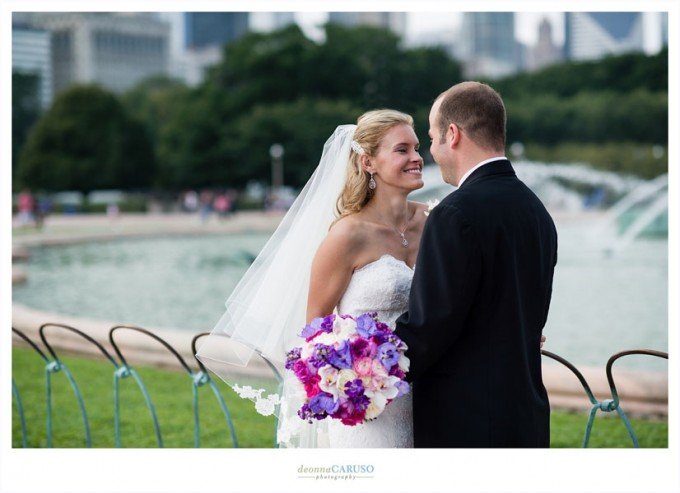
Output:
x,y
479,301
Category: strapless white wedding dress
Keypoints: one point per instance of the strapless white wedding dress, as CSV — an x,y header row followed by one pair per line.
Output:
x,y
381,286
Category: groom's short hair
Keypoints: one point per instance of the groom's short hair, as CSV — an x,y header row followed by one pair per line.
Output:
x,y
478,110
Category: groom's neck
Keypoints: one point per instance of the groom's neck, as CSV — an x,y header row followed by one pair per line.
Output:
x,y
472,159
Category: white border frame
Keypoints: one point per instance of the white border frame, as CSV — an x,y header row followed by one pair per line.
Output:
x,y
180,470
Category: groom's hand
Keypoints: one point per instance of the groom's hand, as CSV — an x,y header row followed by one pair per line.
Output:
x,y
542,341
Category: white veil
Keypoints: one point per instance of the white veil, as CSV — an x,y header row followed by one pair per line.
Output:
x,y
267,309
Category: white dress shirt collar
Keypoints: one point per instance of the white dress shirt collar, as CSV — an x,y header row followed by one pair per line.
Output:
x,y
472,170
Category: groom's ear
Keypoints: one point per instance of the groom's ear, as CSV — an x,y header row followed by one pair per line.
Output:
x,y
454,132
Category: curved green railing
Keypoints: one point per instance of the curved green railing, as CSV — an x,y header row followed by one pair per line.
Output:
x,y
606,405
15,389
56,366
202,378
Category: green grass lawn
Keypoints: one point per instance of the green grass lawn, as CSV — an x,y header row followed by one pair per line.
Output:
x,y
171,393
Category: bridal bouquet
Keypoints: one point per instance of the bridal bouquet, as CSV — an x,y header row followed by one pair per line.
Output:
x,y
351,368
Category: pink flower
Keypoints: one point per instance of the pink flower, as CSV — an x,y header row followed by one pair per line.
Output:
x,y
349,414
397,372
302,371
312,386
363,367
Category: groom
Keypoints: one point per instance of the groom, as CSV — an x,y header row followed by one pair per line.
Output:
x,y
481,288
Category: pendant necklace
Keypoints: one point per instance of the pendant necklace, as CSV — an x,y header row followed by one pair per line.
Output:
x,y
404,241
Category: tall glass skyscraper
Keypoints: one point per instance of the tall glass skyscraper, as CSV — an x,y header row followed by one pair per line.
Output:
x,y
592,35
31,54
112,49
664,28
203,29
489,45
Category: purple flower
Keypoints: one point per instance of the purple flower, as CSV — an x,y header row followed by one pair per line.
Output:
x,y
305,413
388,354
327,323
366,325
363,348
323,403
360,402
320,355
341,357
403,388
319,324
395,371
292,356
382,333
382,327
354,388
355,395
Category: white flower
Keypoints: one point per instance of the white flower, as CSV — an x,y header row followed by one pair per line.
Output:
x,y
386,387
345,376
382,390
377,406
327,338
329,377
404,363
431,204
307,349
344,327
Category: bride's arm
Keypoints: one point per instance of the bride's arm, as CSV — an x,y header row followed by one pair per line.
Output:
x,y
332,269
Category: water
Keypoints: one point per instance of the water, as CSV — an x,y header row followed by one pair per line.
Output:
x,y
605,304
179,282
600,305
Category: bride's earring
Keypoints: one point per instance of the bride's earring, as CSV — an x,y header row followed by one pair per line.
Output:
x,y
371,183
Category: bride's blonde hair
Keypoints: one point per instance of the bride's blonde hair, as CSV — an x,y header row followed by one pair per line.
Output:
x,y
371,128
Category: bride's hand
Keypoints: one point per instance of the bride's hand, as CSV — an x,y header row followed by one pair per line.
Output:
x,y
542,341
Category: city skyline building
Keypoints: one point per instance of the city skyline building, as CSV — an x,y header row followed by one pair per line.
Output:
x,y
488,44
205,29
115,51
592,35
204,35
664,28
396,21
32,54
545,52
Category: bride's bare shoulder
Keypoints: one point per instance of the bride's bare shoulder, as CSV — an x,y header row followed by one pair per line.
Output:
x,y
349,231
340,246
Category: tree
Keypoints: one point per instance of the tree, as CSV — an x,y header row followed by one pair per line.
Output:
x,y
261,68
302,127
86,141
25,112
620,74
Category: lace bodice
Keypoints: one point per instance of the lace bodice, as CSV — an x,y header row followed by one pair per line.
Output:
x,y
381,286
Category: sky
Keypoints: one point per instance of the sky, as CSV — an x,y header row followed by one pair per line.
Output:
x,y
526,25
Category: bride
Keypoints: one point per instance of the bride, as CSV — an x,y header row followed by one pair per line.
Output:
x,y
347,245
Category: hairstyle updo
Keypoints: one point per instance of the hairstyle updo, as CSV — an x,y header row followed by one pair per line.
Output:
x,y
371,128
